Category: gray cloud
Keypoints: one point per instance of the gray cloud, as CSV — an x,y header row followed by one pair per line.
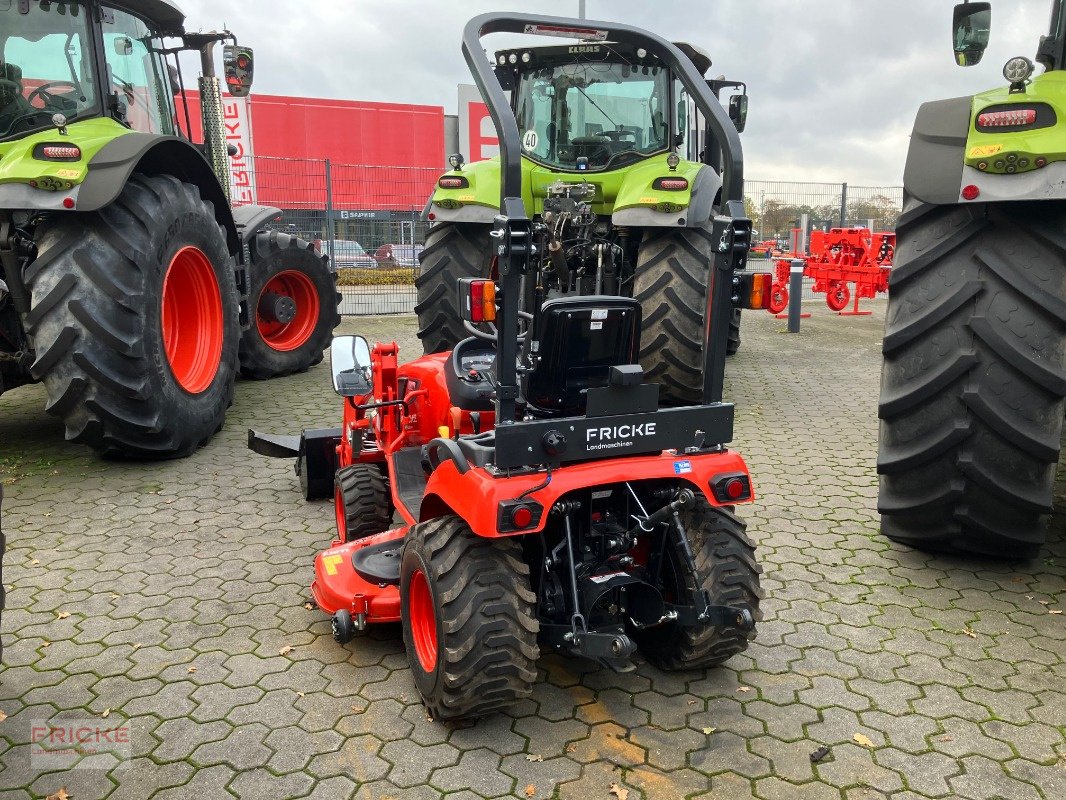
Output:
x,y
834,85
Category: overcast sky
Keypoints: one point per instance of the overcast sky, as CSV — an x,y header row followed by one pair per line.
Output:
x,y
833,84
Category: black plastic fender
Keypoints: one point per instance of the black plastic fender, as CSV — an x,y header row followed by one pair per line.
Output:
x,y
938,151
251,219
153,154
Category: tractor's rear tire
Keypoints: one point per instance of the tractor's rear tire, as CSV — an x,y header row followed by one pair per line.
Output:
x,y
468,619
671,284
361,502
285,269
733,345
974,377
725,561
453,251
134,321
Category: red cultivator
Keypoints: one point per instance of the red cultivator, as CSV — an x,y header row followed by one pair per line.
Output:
x,y
838,258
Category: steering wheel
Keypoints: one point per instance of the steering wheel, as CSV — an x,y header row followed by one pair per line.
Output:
x,y
597,148
493,335
47,98
617,136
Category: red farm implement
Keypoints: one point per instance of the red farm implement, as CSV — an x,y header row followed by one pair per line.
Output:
x,y
838,258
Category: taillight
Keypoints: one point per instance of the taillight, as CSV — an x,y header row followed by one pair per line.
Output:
x,y
453,182
1006,119
970,192
670,184
733,488
518,515
752,289
477,298
57,152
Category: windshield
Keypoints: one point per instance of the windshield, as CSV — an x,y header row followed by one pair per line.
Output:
x,y
45,65
611,114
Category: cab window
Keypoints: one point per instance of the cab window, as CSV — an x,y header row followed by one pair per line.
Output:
x,y
137,73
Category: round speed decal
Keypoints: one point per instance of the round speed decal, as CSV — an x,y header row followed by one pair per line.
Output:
x,y
529,141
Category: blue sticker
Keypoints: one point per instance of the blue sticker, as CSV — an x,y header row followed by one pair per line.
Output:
x,y
682,467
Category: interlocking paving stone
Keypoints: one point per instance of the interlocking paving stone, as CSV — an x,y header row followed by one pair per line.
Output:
x,y
205,563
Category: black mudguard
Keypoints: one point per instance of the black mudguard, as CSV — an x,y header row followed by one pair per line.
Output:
x,y
152,154
938,151
252,219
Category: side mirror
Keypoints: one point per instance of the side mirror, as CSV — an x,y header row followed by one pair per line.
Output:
x,y
971,25
123,46
239,65
738,111
349,358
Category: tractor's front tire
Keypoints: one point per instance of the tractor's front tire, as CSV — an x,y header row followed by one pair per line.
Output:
x,y
361,502
728,570
468,619
453,251
673,268
293,303
134,321
974,377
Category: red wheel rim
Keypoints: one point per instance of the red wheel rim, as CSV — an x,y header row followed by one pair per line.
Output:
x,y
423,621
193,322
342,517
778,299
286,336
838,296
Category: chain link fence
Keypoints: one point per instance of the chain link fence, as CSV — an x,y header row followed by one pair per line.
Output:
x,y
367,219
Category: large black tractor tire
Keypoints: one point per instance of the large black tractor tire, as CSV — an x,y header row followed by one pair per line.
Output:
x,y
733,345
671,285
453,251
98,315
468,619
293,302
361,501
725,561
974,377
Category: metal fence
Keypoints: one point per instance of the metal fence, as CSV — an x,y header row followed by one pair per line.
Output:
x,y
367,219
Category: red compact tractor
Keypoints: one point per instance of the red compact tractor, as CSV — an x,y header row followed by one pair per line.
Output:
x,y
544,499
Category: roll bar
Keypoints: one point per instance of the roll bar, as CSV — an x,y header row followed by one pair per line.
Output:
x,y
512,233
507,126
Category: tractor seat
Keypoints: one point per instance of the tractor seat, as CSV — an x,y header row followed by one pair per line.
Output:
x,y
469,375
576,341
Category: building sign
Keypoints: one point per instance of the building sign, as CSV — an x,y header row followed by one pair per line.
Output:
x,y
477,135
237,119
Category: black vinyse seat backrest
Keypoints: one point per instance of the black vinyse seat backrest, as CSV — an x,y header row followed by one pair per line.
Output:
x,y
576,342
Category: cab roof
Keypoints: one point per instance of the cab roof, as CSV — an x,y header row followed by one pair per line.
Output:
x,y
163,14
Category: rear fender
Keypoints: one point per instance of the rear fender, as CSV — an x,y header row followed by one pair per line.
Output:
x,y
638,197
479,201
938,151
477,494
150,154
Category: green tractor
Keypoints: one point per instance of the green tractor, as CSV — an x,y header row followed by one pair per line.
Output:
x,y
974,378
129,287
604,126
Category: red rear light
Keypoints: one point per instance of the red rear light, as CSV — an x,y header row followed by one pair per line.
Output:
x,y
970,192
57,152
522,517
68,203
1007,119
477,301
731,488
670,184
453,182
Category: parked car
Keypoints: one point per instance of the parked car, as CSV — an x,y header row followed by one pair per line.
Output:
x,y
348,254
398,255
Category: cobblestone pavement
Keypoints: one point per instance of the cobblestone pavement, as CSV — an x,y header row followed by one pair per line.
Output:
x,y
173,596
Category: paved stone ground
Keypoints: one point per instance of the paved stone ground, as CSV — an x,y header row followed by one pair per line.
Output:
x,y
174,595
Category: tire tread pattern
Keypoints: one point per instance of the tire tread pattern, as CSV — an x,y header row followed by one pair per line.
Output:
x,y
974,378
